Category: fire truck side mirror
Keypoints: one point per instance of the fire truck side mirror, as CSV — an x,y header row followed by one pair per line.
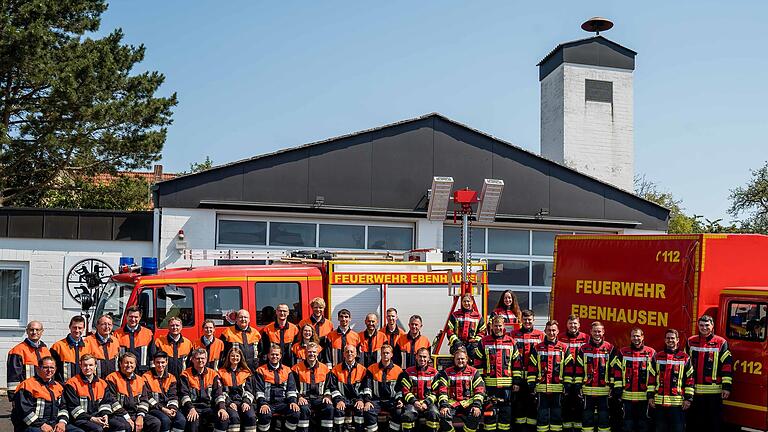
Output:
x,y
173,292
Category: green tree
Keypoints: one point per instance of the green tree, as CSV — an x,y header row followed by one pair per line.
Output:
x,y
196,167
751,202
117,193
70,103
679,222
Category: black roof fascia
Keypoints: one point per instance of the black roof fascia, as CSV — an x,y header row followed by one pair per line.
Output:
x,y
593,51
75,224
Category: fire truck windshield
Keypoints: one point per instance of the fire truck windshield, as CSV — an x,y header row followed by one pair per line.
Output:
x,y
113,301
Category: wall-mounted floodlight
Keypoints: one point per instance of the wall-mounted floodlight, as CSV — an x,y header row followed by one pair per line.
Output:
x,y
440,195
490,197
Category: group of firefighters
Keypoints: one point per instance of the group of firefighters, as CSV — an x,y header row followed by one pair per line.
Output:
x,y
506,375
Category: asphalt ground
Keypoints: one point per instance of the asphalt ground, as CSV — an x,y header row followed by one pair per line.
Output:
x,y
5,413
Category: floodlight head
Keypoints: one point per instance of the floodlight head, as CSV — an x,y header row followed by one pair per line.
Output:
x,y
490,196
439,198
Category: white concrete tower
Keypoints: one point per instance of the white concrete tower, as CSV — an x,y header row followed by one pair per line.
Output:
x,y
587,109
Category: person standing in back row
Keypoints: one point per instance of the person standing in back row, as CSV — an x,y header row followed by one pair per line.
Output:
x,y
213,346
136,339
104,346
338,339
670,389
245,337
176,346
526,337
67,352
633,375
508,308
371,340
595,374
573,403
317,320
25,357
282,333
392,332
408,344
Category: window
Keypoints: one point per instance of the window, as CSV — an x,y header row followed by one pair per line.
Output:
x,y
342,236
145,303
506,241
243,232
746,320
452,239
598,91
540,305
271,294
183,308
390,238
544,242
514,273
221,304
541,274
13,291
291,234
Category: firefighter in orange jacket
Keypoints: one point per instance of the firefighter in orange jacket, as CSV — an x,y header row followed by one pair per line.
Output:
x,y
392,332
38,403
311,375
212,345
547,378
282,333
526,337
176,346
348,389
466,326
25,357
136,339
67,351
419,397
89,400
573,404
322,325
501,364
132,395
338,339
245,337
633,366
201,394
275,390
163,395
408,344
103,346
460,391
712,374
238,389
385,380
596,377
371,341
670,388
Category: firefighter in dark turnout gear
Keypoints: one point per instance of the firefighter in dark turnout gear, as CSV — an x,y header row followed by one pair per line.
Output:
x,y
595,376
237,386
418,395
311,375
67,352
132,395
466,326
509,309
573,404
282,333
104,347
525,338
460,391
409,343
201,394
38,403
212,345
385,379
548,380
245,337
501,363
25,357
712,374
136,339
176,346
275,391
163,395
89,400
633,366
371,341
349,390
670,389
338,339
392,333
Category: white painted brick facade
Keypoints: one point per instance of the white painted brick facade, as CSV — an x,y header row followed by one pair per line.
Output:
x,y
199,231
595,138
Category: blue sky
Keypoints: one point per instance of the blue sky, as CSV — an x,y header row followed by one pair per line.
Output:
x,y
254,76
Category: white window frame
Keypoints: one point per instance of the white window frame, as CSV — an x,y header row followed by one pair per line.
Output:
x,y
23,266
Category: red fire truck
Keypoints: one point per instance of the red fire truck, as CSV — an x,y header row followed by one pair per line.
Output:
x,y
668,281
360,282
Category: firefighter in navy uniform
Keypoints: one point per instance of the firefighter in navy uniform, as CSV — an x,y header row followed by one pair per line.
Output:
x,y
103,346
132,395
526,337
38,403
67,352
245,337
633,366
392,333
596,377
163,395
25,357
385,379
136,339
573,404
238,389
275,390
670,388
201,394
409,343
311,375
211,344
349,390
176,346
371,341
501,365
460,391
713,376
547,378
282,333
89,400
418,395
466,326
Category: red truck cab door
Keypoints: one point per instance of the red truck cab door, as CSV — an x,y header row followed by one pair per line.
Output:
x,y
157,307
744,325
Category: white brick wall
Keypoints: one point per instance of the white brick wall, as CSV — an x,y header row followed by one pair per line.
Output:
x,y
45,261
592,137
199,231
